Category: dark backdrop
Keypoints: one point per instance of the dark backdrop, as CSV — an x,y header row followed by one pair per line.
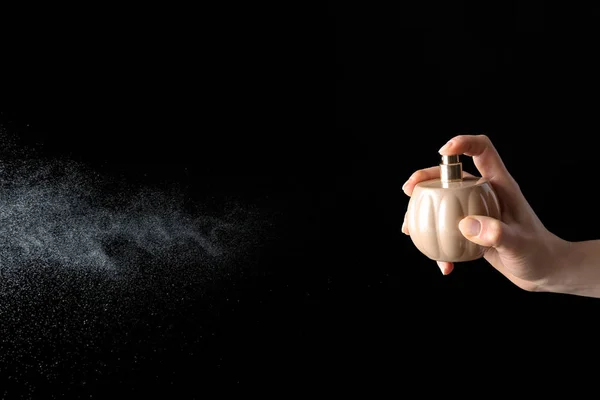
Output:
x,y
316,116
411,76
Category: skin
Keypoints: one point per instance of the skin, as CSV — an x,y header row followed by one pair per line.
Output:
x,y
519,245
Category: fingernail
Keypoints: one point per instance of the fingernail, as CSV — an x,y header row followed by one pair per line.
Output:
x,y
445,147
404,186
470,226
441,268
404,228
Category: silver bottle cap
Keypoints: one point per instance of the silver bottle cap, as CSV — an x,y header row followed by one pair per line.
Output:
x,y
451,169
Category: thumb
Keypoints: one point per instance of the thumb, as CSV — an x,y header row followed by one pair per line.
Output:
x,y
487,231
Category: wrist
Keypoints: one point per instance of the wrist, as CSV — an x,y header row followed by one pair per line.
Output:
x,y
569,272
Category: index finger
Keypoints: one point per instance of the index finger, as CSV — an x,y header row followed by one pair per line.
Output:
x,y
485,156
488,163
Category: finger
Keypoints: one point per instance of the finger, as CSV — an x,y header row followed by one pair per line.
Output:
x,y
489,164
489,232
405,226
445,267
423,175
419,176
485,156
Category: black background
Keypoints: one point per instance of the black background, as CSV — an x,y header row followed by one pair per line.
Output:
x,y
321,114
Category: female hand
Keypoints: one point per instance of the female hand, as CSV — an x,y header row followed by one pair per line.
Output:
x,y
519,245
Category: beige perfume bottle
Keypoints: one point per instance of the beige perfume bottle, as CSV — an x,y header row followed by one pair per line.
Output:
x,y
437,206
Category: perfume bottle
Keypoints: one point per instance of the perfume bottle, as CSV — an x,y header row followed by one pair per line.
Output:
x,y
437,206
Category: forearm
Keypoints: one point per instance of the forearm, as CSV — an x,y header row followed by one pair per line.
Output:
x,y
577,272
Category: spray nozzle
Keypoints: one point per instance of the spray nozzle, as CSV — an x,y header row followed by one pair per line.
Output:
x,y
451,169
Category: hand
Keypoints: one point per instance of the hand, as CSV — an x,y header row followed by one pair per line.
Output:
x,y
519,246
